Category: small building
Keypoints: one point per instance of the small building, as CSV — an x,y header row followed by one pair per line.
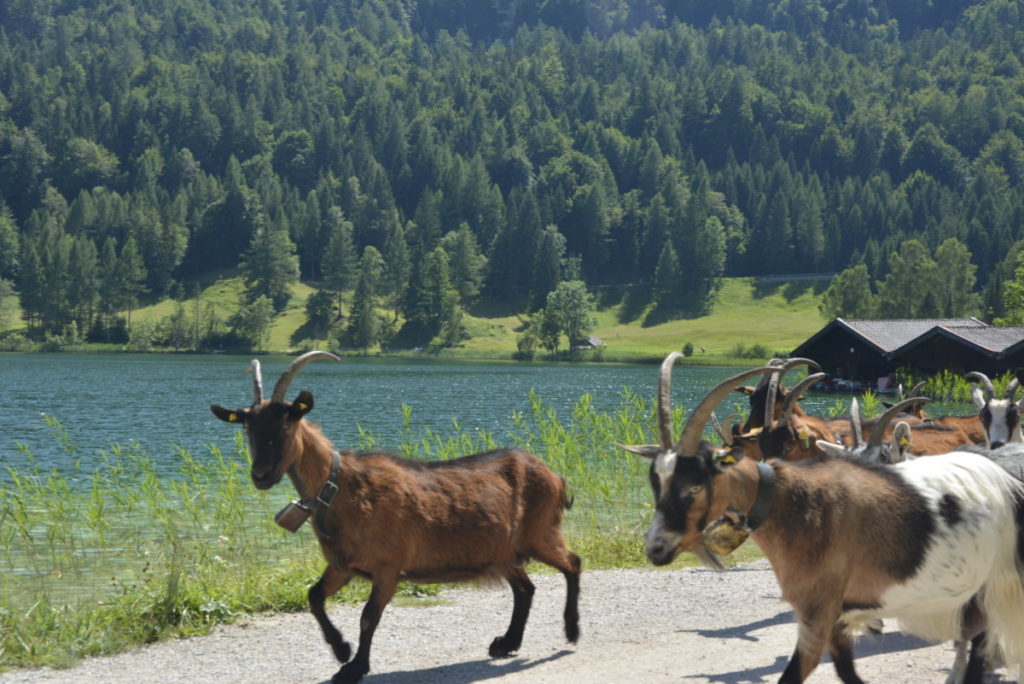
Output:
x,y
868,350
591,342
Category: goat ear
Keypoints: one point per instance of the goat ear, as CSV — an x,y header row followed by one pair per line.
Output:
x,y
229,416
746,389
723,458
302,405
645,451
832,449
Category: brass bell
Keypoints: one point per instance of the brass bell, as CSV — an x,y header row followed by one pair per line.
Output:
x,y
725,535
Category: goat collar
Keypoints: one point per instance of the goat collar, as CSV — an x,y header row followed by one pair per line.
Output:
x,y
763,499
322,501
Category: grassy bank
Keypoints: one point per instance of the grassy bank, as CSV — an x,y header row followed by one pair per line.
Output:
x,y
748,320
96,562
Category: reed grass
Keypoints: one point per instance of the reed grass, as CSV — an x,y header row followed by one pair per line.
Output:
x,y
129,553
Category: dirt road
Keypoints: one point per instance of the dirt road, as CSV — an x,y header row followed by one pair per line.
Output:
x,y
638,627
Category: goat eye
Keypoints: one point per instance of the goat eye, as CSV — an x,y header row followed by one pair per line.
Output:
x,y
695,490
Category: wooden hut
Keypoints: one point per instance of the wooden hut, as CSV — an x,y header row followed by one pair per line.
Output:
x,y
865,351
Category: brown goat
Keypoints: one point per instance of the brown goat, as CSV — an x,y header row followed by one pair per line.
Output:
x,y
792,434
387,519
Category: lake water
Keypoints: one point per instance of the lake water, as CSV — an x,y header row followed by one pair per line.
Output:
x,y
162,401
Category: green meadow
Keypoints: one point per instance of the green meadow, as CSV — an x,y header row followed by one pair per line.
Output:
x,y
748,320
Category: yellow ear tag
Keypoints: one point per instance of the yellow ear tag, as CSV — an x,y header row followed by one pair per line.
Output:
x,y
302,407
804,434
727,459
232,417
904,441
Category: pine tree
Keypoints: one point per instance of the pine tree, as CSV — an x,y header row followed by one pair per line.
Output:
x,y
668,288
364,323
270,265
466,264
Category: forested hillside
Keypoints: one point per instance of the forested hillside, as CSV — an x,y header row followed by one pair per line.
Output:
x,y
422,156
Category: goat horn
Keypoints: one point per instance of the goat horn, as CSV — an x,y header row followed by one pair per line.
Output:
x,y
1011,389
289,373
773,364
665,400
690,438
795,394
975,376
257,382
769,400
858,435
878,432
916,389
773,384
725,432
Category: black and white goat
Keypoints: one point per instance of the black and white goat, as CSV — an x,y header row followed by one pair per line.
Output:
x,y
851,541
1000,417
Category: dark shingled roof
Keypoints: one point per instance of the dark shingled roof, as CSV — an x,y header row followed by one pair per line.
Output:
x,y
990,340
888,335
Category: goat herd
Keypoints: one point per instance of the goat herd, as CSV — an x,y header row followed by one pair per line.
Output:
x,y
855,530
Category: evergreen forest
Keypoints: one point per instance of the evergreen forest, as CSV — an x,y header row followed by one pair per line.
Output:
x,y
412,159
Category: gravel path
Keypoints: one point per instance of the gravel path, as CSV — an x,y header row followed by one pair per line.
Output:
x,y
638,626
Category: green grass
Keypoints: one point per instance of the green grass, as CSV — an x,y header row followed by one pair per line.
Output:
x,y
93,563
777,317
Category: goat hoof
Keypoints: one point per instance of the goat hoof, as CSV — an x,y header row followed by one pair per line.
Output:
x,y
500,648
350,673
572,633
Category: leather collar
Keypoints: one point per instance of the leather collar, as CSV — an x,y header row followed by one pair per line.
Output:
x,y
328,490
765,494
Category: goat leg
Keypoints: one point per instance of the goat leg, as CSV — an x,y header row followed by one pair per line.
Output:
x,y
569,564
840,647
522,599
327,586
817,626
572,585
975,671
380,596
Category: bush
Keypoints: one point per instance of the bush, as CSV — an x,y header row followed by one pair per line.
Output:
x,y
754,351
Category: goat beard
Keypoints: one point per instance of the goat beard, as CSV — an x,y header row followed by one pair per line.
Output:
x,y
709,559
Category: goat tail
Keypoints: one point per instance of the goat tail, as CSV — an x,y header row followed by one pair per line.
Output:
x,y
1002,599
567,501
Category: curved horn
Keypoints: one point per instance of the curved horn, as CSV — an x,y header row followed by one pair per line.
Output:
x,y
726,437
689,440
773,385
795,394
917,389
293,368
795,361
257,381
981,378
769,400
878,432
858,436
665,430
773,363
1011,389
